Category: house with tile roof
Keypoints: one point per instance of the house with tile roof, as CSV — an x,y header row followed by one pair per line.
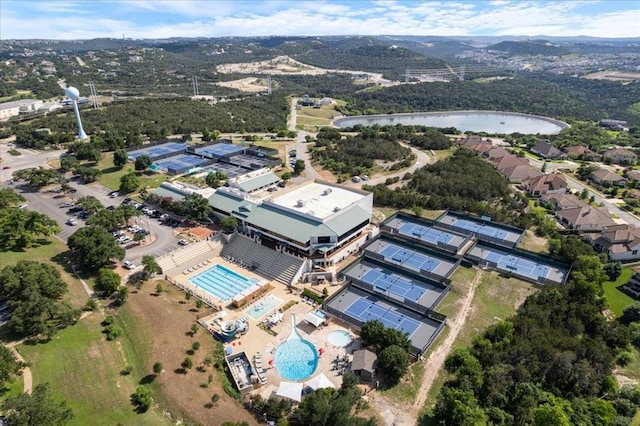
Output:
x,y
546,150
508,161
607,178
585,218
520,173
495,152
620,242
561,201
580,152
620,156
545,184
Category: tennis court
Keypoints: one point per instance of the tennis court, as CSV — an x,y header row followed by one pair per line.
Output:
x,y
158,151
481,229
419,261
518,265
219,150
387,282
425,233
182,162
365,310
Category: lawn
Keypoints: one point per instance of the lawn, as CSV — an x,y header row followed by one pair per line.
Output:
x,y
616,299
13,389
111,175
327,112
84,369
531,242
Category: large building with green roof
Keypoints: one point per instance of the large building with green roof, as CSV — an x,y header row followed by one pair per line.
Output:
x,y
318,220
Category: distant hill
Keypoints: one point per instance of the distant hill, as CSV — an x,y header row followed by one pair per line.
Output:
x,y
529,47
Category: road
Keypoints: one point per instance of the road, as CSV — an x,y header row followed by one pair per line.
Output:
x,y
27,160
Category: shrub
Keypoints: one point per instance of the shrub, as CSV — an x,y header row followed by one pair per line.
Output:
x,y
126,370
108,320
112,332
313,296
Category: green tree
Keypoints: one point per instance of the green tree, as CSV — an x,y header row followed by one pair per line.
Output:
x,y
143,398
142,163
286,176
151,267
187,364
34,292
108,219
88,174
20,228
298,167
229,224
122,295
568,249
93,247
120,158
9,198
393,361
68,163
458,407
129,183
157,368
195,346
9,366
195,207
89,204
107,281
39,408
613,270
631,313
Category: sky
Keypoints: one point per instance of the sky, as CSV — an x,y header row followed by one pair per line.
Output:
x,y
66,19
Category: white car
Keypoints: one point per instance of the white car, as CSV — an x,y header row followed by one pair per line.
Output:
x,y
72,222
129,265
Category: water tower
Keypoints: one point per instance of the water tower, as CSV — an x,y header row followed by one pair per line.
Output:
x,y
74,95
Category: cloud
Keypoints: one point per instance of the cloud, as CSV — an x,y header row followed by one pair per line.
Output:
x,y
162,19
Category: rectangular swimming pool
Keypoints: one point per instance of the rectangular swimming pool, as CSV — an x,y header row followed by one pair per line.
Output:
x,y
221,282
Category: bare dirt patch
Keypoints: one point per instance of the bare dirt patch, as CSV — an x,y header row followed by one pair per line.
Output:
x,y
249,84
280,65
169,323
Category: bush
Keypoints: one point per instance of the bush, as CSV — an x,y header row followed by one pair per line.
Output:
x,y
143,398
624,358
313,296
108,320
126,370
228,388
112,332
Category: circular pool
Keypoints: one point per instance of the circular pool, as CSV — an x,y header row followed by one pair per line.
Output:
x,y
498,122
339,338
296,358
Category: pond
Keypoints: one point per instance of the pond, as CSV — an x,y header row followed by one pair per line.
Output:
x,y
466,121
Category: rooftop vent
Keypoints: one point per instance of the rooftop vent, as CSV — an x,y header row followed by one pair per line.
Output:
x,y
326,191
300,203
335,209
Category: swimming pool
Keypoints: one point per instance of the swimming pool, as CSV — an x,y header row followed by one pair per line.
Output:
x,y
263,307
339,338
222,282
296,358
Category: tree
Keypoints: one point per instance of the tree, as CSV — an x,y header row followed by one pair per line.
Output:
x,y
142,163
34,291
143,398
68,163
129,183
195,346
371,332
151,267
394,361
229,224
544,167
39,408
89,204
568,249
214,179
631,313
187,364
108,219
120,158
286,176
20,227
122,295
157,368
458,407
159,288
9,198
88,174
298,167
107,281
9,366
613,270
195,207
93,247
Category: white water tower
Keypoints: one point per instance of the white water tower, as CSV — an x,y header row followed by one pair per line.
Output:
x,y
74,95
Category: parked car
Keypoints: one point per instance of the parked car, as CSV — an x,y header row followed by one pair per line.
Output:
x,y
183,242
114,194
72,222
129,265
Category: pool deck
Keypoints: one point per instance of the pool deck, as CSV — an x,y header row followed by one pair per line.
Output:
x,y
258,340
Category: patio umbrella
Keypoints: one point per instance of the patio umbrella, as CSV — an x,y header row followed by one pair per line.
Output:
x,y
320,382
290,390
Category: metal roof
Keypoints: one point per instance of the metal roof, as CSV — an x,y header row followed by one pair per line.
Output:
x,y
258,182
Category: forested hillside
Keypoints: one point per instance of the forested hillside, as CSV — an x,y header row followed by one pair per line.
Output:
x,y
559,97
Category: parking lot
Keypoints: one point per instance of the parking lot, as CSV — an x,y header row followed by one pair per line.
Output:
x,y
57,206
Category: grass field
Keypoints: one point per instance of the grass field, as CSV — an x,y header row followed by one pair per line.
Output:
x,y
111,175
531,242
616,299
84,368
496,298
13,389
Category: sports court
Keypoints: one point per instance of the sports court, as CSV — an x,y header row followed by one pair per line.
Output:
x,y
426,234
418,261
520,266
219,150
481,229
382,280
182,162
158,151
357,306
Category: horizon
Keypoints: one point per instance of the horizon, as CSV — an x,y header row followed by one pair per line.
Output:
x,y
157,19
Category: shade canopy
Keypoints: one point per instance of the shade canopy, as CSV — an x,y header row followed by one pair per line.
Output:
x,y
314,319
320,382
290,390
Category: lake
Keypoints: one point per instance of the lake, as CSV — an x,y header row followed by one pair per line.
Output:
x,y
465,121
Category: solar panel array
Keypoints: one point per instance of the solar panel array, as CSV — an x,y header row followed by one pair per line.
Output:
x,y
365,310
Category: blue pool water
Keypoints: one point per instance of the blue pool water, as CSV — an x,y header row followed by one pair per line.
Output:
x,y
221,282
263,307
296,358
339,338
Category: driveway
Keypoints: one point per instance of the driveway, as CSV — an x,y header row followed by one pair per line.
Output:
x,y
26,160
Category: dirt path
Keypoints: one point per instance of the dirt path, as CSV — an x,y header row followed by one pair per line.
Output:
x,y
27,377
436,360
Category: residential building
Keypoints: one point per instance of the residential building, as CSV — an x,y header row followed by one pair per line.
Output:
x,y
612,124
561,201
495,152
521,172
585,218
620,242
546,150
620,156
607,178
632,174
580,152
546,184
508,161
